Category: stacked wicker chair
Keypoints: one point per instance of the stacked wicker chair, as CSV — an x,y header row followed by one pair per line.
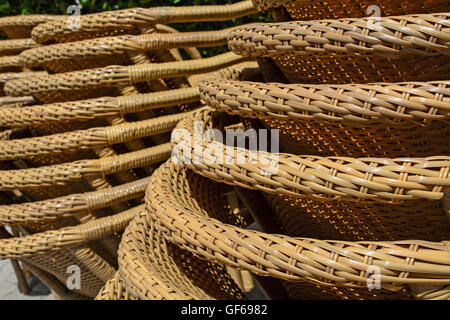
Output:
x,y
358,196
18,30
96,132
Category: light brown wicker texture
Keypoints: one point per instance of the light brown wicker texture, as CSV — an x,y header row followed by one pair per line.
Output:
x,y
357,120
57,269
151,268
54,251
337,267
47,212
10,64
154,269
19,27
324,9
341,177
7,76
341,197
424,34
25,246
47,87
16,46
132,21
114,289
71,205
11,102
85,110
87,139
352,50
61,174
100,52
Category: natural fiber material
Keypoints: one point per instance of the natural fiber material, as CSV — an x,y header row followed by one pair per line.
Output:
x,y
323,9
333,266
67,237
12,47
100,52
104,107
19,27
71,205
376,120
114,289
61,174
45,87
93,250
131,21
370,104
96,108
348,198
96,257
425,34
54,251
87,139
7,76
112,47
10,63
377,179
403,48
151,268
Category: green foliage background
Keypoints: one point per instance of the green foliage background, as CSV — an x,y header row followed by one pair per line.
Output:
x,y
14,7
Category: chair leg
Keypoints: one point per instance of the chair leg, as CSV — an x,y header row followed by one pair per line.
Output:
x,y
261,213
23,283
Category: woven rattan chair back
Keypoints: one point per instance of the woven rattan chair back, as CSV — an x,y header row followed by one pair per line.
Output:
x,y
309,268
323,9
349,50
309,190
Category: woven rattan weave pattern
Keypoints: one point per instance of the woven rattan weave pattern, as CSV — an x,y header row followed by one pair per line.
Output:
x,y
16,46
132,21
376,120
19,27
339,268
402,48
152,268
105,51
351,198
325,9
53,88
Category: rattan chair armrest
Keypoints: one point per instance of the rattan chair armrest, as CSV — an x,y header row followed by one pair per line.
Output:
x,y
66,206
94,108
25,246
20,26
118,75
9,62
88,139
61,174
5,101
342,263
129,20
99,47
114,289
15,46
